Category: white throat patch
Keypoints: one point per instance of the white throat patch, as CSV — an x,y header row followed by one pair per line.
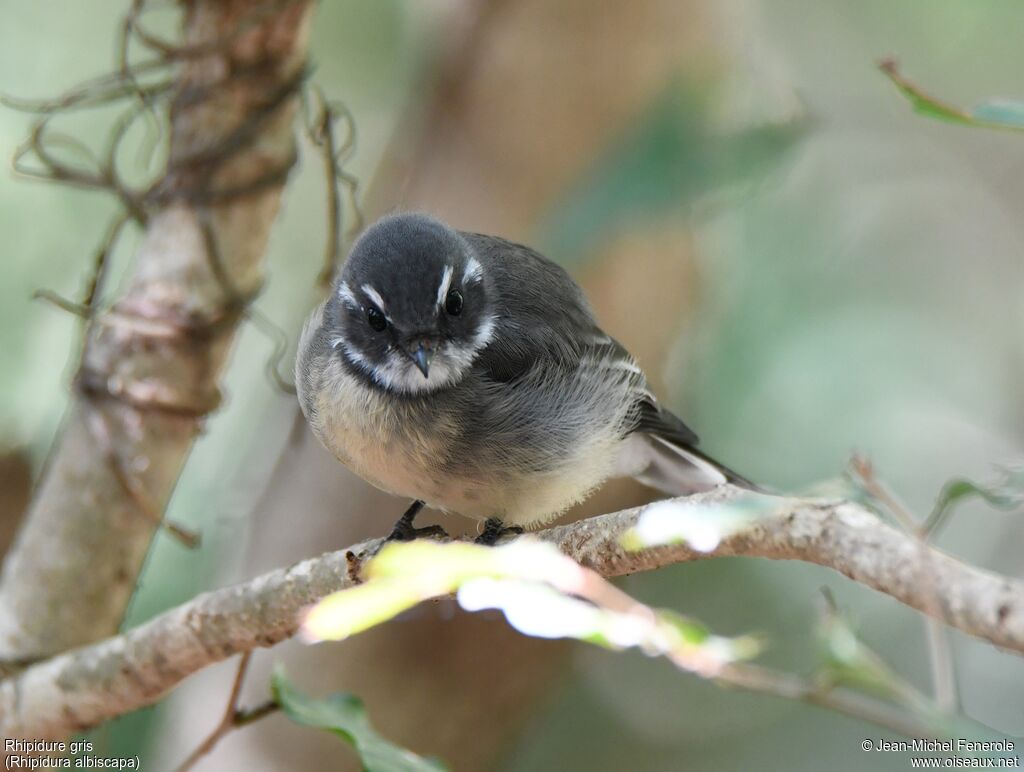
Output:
x,y
400,374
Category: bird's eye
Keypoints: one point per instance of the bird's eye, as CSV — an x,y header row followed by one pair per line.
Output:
x,y
376,319
453,303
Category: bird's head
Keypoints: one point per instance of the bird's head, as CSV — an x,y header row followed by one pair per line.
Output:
x,y
411,308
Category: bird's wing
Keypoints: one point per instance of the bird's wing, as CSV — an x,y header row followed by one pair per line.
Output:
x,y
547,322
543,317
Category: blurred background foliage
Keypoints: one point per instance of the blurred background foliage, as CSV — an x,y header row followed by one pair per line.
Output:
x,y
804,265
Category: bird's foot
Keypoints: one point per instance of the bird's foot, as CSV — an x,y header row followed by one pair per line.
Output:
x,y
494,530
404,529
408,533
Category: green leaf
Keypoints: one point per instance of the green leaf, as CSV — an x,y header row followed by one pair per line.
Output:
x,y
343,614
541,592
1007,494
848,661
994,114
1001,111
345,715
671,156
691,631
403,575
437,567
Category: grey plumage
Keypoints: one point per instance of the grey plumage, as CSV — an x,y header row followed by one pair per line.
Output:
x,y
528,405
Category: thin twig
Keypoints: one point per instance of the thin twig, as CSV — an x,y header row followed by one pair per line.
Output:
x,y
61,302
94,288
940,655
279,339
925,103
86,308
105,89
908,712
764,680
233,717
320,130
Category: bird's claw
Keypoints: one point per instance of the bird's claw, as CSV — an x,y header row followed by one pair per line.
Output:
x,y
406,532
494,529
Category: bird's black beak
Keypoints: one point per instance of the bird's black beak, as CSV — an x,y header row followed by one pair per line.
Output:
x,y
423,355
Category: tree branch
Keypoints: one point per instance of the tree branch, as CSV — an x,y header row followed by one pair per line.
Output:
x,y
84,687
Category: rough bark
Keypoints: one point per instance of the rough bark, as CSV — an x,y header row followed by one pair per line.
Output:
x,y
82,688
150,366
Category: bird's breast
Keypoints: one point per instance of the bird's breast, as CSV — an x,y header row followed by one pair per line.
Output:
x,y
448,451
397,445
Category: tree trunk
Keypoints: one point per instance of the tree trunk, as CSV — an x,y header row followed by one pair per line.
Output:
x,y
149,372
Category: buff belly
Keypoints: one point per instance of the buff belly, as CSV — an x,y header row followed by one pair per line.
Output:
x,y
366,435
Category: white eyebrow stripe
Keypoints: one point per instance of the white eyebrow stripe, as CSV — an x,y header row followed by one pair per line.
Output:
x,y
446,282
474,271
347,296
373,295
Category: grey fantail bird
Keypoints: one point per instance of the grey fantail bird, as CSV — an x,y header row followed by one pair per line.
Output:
x,y
468,372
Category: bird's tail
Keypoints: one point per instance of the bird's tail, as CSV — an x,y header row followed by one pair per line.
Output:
x,y
679,470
